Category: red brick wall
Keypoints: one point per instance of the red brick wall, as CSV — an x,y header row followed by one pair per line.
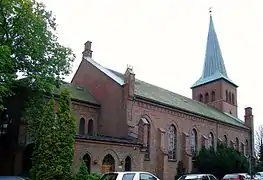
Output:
x,y
112,119
219,87
163,118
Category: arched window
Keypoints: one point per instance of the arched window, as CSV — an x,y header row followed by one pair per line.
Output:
x,y
90,127
127,166
233,98
237,144
201,98
144,133
82,126
213,96
246,148
108,163
206,97
193,142
225,140
226,96
242,149
172,142
229,97
87,161
211,140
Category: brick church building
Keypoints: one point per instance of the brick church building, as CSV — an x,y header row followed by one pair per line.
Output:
x,y
124,123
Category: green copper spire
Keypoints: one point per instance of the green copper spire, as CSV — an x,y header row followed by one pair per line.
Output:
x,y
214,67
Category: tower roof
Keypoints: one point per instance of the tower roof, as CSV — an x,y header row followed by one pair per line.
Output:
x,y
214,67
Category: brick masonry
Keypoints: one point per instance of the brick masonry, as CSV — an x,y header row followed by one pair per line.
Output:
x,y
120,112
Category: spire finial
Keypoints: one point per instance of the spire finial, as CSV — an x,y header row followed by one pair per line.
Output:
x,y
210,11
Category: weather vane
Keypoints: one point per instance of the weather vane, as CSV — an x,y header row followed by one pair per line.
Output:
x,y
210,10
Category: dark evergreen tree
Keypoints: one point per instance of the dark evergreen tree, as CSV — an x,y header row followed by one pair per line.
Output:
x,y
45,160
67,133
222,161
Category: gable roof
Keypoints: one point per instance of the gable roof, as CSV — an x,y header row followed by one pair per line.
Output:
x,y
168,98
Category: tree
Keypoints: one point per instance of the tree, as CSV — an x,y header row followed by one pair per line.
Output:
x,y
259,141
29,46
259,148
67,132
45,162
54,141
82,172
222,161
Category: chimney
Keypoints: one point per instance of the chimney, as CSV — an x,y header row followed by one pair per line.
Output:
x,y
249,122
87,49
129,78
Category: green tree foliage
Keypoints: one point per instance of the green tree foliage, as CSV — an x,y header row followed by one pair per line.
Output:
x,y
82,172
28,45
67,133
54,141
222,161
45,159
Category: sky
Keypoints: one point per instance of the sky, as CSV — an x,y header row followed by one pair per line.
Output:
x,y
165,40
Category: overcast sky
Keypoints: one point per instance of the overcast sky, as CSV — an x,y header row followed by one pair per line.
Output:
x,y
164,40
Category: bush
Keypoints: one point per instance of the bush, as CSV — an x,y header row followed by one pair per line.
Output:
x,y
83,174
222,161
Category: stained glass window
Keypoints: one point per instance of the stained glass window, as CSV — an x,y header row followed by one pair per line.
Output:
x,y
193,142
211,140
172,141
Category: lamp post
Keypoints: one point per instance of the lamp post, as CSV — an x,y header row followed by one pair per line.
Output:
x,y
4,122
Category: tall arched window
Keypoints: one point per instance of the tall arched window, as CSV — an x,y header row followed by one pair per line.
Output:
x,y
225,140
229,97
193,142
246,148
172,142
200,97
233,98
144,129
226,96
82,126
213,96
237,144
206,97
90,127
211,140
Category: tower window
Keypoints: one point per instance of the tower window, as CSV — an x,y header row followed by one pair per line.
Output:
x,y
233,98
206,97
226,96
229,98
201,98
213,94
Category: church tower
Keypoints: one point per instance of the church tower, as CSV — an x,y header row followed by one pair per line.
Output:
x,y
214,86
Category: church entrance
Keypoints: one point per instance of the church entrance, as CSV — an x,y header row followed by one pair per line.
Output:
x,y
108,164
127,166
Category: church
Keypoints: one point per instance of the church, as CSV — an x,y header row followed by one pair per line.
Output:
x,y
124,123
